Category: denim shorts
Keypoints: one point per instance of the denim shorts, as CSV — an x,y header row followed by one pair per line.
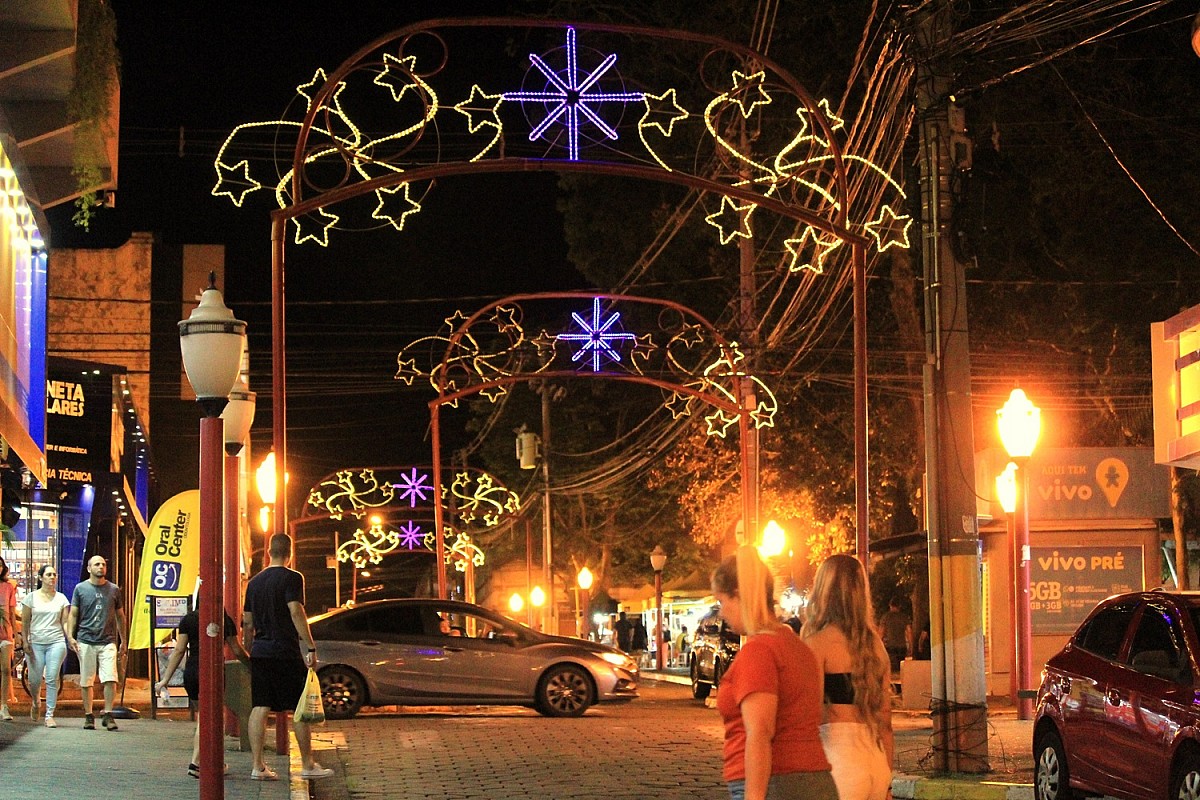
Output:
x,y
792,786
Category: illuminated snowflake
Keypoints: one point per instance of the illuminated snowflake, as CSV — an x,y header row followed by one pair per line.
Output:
x,y
413,487
596,336
571,97
411,536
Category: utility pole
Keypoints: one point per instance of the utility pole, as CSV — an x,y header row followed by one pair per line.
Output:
x,y
959,702
547,543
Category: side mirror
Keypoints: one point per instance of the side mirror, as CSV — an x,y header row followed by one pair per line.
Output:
x,y
510,638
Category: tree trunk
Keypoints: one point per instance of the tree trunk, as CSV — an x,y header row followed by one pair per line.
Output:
x,y
1181,565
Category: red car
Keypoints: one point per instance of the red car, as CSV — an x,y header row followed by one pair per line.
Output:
x,y
1118,711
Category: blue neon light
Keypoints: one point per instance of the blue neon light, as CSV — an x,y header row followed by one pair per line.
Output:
x,y
571,97
596,336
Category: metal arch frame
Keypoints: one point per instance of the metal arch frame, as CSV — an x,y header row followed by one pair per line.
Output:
x,y
839,226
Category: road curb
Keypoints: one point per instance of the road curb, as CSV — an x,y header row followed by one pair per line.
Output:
x,y
909,787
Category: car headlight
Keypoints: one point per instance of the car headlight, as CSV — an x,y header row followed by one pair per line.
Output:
x,y
618,659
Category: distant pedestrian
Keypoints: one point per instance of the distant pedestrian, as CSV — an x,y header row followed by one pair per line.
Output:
x,y
8,633
896,628
639,641
681,646
276,634
187,644
857,728
624,633
770,697
44,615
98,621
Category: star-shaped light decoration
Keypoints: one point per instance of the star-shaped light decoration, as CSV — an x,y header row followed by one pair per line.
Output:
x,y
506,319
643,348
310,227
494,392
399,75
719,422
810,250
413,487
890,229
309,90
596,336
544,342
395,204
749,88
662,112
411,536
406,370
235,182
731,219
481,115
680,405
572,97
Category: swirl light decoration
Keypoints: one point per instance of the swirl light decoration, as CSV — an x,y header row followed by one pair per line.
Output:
x,y
351,492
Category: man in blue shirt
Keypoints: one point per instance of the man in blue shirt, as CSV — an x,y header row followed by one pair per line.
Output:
x,y
96,632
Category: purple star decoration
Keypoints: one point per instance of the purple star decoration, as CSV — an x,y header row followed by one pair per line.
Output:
x,y
411,536
571,97
596,336
413,487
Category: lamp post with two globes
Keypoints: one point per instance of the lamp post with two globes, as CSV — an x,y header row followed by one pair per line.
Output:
x,y
1020,423
211,342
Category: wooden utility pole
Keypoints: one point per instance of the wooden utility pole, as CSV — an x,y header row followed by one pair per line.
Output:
x,y
959,703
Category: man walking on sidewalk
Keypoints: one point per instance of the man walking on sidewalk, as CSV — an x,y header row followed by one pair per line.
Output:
x,y
99,640
274,629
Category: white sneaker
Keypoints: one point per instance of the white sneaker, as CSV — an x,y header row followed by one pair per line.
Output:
x,y
50,723
4,715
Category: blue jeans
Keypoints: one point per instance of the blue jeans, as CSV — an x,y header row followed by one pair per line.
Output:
x,y
47,661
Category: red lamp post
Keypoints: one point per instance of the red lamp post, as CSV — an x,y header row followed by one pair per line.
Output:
x,y
1020,423
238,416
658,560
211,342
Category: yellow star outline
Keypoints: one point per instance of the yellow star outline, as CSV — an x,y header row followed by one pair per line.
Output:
x,y
890,229
505,318
689,336
455,320
719,422
309,90
229,175
731,219
810,251
320,237
468,109
391,198
659,106
743,85
544,343
406,370
643,348
494,393
401,72
679,405
835,122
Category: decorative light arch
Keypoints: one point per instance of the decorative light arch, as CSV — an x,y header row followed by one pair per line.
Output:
x,y
805,181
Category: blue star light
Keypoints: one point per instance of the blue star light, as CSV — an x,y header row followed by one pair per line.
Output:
x,y
572,97
413,487
411,536
596,336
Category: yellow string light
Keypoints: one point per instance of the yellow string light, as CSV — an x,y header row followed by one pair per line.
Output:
x,y
657,107
732,220
391,197
489,117
890,229
810,251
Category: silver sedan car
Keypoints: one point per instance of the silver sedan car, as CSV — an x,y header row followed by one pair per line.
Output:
x,y
443,652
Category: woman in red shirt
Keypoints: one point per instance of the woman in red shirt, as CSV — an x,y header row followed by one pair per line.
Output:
x,y
770,698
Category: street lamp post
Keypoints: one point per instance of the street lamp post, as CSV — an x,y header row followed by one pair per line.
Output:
x,y
658,560
211,342
238,417
1020,424
584,581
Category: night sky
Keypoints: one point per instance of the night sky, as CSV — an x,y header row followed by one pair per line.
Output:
x,y
190,74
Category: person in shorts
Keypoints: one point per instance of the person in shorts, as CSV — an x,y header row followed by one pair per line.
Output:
x,y
282,651
96,632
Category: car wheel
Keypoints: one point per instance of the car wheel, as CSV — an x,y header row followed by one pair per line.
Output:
x,y
1051,779
342,691
700,690
564,691
1185,784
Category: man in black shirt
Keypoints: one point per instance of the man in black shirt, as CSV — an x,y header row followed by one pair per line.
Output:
x,y
282,651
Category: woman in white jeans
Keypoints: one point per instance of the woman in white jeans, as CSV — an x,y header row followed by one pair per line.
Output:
x,y
44,614
857,727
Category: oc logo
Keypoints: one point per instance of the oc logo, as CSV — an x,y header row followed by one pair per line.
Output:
x,y
164,576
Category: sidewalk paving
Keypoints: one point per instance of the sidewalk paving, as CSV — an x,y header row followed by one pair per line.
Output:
x,y
146,759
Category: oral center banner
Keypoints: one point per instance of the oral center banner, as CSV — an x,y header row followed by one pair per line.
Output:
x,y
170,561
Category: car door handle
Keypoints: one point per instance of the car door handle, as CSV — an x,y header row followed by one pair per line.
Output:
x,y
1114,697
370,643
453,649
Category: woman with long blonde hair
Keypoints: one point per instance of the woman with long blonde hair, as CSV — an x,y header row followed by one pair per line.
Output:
x,y
857,725
770,697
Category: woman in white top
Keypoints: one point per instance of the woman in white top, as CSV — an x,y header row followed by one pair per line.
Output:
x,y
44,614
857,729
